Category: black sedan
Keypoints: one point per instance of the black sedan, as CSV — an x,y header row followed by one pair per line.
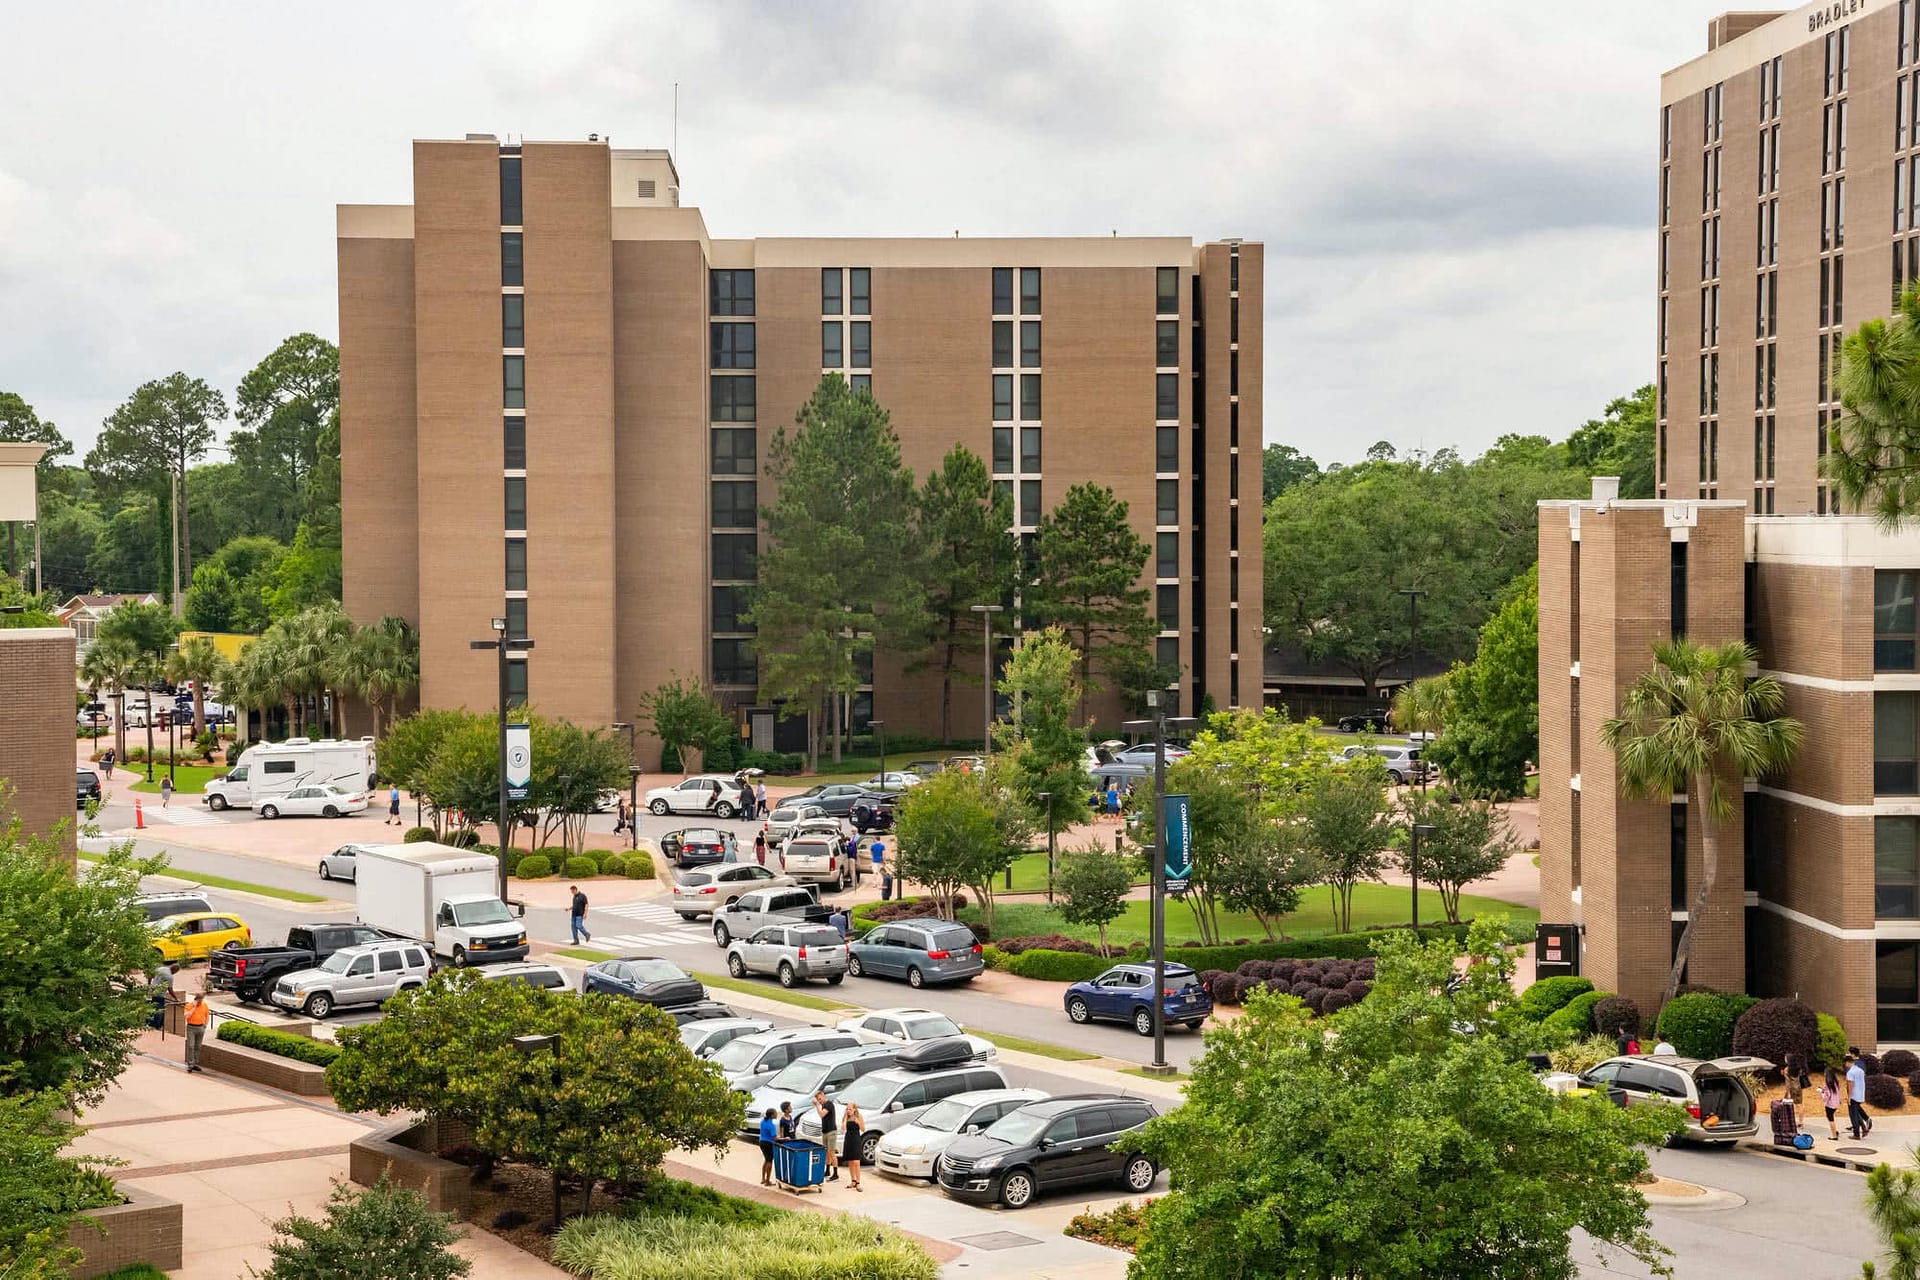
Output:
x,y
1374,718
698,846
647,979
873,811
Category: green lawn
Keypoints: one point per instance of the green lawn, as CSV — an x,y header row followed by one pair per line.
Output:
x,y
1373,905
1030,873
771,990
586,953
1060,1053
1145,1074
243,886
188,779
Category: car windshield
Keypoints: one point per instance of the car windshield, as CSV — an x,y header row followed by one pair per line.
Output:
x,y
799,1077
1018,1127
820,938
932,1029
738,1055
694,879
870,1091
946,1117
651,970
492,911
337,962
785,815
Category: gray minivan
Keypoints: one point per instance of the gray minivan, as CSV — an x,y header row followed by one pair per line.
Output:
x,y
751,1061
925,951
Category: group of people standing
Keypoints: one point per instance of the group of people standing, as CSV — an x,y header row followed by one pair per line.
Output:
x,y
836,1126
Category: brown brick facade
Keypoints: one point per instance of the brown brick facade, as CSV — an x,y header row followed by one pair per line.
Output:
x,y
36,751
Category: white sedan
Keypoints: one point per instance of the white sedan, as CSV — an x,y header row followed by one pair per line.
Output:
x,y
892,780
323,801
912,1026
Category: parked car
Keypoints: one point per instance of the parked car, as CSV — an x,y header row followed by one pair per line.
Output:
x,y
924,769
752,1060
757,908
796,1082
836,798
913,1150
710,793
699,846
320,801
893,780
900,1027
873,813
532,973
707,1036
342,864
1124,993
785,816
1374,718
1705,1090
1403,764
1141,753
971,764
701,893
86,786
698,1011
895,1097
250,972
819,859
648,979
172,902
366,974
1044,1146
795,953
1122,775
197,934
923,950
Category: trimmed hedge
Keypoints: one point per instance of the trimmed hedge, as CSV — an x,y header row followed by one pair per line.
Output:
x,y
614,865
283,1044
582,868
464,839
1870,1063
640,866
534,866
1575,1017
1551,994
868,914
1615,1014
1900,1062
1884,1092
1913,1084
1829,1042
557,854
1068,966
1700,1023
1045,942
1781,1031
415,835
1055,966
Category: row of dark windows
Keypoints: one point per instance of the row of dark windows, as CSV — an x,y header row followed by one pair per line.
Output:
x,y
857,300
1003,384
846,345
1003,450
1003,278
1003,357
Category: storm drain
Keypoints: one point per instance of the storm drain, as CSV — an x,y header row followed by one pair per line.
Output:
x,y
996,1240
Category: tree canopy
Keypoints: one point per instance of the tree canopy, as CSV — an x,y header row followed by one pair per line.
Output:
x,y
1085,579
972,559
1491,715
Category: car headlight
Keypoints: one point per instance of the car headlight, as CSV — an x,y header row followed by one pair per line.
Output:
x,y
987,1162
913,1149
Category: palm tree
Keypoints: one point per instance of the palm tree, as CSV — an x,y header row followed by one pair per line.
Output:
x,y
1873,458
1695,723
313,640
1422,706
379,664
197,661
114,665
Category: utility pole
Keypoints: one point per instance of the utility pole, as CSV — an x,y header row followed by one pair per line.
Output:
x,y
1158,915
175,480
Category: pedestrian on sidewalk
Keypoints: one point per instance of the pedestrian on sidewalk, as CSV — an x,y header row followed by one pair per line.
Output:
x,y
1623,1043
160,992
855,1122
1830,1099
760,847
577,915
829,1132
760,799
768,1129
166,792
393,804
1857,1123
198,1015
878,852
1113,799
787,1122
623,817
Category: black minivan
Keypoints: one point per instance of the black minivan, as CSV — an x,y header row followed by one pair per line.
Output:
x,y
1061,1142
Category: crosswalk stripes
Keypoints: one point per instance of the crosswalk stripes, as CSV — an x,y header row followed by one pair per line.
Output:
x,y
182,817
651,912
641,941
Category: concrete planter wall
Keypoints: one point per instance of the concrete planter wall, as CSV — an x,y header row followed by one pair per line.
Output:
x,y
147,1228
408,1155
261,1067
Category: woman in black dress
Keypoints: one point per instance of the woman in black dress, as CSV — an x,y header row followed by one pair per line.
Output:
x,y
850,1144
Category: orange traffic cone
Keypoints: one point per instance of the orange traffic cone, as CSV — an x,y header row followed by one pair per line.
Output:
x,y
139,818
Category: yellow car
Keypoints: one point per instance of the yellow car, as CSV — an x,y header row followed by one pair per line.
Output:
x,y
197,934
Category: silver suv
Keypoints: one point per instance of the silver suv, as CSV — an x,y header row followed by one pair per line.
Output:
x,y
831,1072
751,1061
363,974
896,1097
1707,1091
817,858
1403,764
795,953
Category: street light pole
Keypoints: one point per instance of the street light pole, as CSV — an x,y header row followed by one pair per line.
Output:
x,y
1413,868
633,784
986,612
501,644
1157,916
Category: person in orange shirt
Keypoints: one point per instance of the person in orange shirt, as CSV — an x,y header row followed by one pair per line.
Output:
x,y
198,1015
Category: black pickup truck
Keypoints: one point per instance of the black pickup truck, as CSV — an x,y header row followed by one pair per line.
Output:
x,y
250,972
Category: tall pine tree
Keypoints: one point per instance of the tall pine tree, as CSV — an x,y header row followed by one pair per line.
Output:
x,y
1088,562
971,560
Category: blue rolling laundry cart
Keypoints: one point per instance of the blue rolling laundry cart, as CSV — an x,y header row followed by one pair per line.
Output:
x,y
799,1166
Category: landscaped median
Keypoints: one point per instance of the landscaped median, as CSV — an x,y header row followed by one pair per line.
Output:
x,y
278,1059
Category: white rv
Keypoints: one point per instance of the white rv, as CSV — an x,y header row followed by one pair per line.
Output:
x,y
275,768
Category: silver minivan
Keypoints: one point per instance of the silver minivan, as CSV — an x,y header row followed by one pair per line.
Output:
x,y
924,951
363,974
751,1061
895,1097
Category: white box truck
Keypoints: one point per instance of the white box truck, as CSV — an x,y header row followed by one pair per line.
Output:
x,y
448,898
269,769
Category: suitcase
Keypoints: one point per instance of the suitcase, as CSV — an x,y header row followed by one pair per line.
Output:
x,y
1786,1125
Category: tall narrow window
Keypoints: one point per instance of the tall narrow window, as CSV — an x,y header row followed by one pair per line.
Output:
x,y
859,301
860,336
1029,291
1030,397
832,334
1166,399
1166,502
513,320
1003,451
830,291
517,616
1029,502
1003,344
1003,397
1895,644
1896,753
1166,606
1030,450
516,564
510,191
1166,555
516,682
514,444
514,381
512,271
1030,344
1166,343
1166,291
516,504
1677,856
1677,583
1166,449
1003,291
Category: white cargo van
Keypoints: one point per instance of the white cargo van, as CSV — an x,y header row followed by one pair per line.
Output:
x,y
275,768
448,898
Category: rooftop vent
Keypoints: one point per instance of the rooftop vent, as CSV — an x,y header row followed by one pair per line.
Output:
x,y
1606,488
646,188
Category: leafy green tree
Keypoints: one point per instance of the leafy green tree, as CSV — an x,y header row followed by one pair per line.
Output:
x,y
42,1189
19,423
1344,826
308,577
463,776
1424,705
1241,858
838,573
113,665
961,830
572,768
1281,467
213,600
1086,571
1274,760
406,753
163,427
1093,888
253,562
1408,1143
35,609
1045,752
684,713
1619,443
1469,842
972,559
197,661
149,628
379,664
129,554
1492,704
617,1093
285,405
69,531
383,1231
1693,722
72,998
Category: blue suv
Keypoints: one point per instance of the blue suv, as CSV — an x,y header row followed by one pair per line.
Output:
x,y
1124,994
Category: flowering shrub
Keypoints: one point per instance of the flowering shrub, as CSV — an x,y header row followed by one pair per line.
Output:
x,y
1118,1228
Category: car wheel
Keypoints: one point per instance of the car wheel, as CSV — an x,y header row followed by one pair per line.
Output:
x,y
1139,1174
1398,780
1195,1026
1016,1189
914,979
869,1148
232,946
720,935
330,812
324,873
736,966
318,1005
268,811
658,808
724,810
934,1176
1077,1010
459,957
853,966
835,979
1143,1021
787,976
217,803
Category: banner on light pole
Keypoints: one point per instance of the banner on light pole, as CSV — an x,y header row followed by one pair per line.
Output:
x,y
1175,842
519,764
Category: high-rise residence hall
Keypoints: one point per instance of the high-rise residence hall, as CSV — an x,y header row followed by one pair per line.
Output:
x,y
1788,160
557,392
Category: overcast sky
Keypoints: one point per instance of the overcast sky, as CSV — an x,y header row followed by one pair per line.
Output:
x,y
1456,197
